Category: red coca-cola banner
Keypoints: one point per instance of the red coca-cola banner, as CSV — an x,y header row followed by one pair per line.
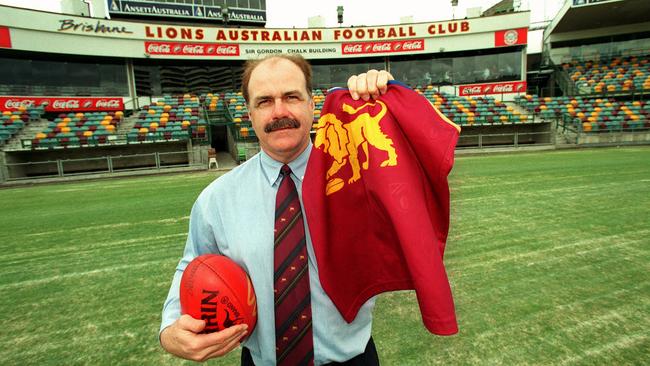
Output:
x,y
191,49
63,104
5,37
493,88
380,47
510,37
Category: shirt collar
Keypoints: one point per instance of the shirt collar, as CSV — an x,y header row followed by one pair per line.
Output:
x,y
271,167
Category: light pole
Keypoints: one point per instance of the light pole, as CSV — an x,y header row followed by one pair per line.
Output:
x,y
224,15
339,13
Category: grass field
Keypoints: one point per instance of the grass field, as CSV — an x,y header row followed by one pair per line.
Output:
x,y
548,256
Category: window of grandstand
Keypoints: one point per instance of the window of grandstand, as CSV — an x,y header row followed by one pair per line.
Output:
x,y
458,69
336,73
600,47
31,76
162,77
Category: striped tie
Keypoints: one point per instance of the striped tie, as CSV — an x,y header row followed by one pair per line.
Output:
x,y
293,333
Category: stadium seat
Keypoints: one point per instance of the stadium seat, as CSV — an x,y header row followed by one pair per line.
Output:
x,y
610,75
590,114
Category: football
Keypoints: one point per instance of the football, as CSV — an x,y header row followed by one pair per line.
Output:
x,y
216,289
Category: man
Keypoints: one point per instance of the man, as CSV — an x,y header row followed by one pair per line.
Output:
x,y
234,216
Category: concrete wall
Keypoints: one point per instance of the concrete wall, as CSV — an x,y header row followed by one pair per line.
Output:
x,y
108,159
614,138
506,135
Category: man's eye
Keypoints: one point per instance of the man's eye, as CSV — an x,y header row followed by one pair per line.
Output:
x,y
263,103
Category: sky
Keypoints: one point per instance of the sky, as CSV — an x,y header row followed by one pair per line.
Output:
x,y
291,13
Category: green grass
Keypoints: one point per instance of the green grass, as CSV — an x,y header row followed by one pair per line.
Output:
x,y
548,257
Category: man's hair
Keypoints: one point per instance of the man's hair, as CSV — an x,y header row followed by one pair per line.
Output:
x,y
298,60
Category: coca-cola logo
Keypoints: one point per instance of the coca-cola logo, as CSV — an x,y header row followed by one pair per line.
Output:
x,y
352,48
413,45
193,49
504,88
103,103
227,50
381,47
65,104
156,48
15,104
472,90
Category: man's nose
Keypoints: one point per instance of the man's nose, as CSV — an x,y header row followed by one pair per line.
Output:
x,y
280,109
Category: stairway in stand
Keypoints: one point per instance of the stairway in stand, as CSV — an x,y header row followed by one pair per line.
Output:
x,y
27,133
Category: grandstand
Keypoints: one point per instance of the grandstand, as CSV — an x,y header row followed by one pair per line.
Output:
x,y
127,89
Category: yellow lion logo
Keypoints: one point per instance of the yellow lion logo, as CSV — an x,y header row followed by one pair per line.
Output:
x,y
342,141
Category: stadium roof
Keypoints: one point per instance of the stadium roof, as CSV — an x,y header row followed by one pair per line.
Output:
x,y
575,16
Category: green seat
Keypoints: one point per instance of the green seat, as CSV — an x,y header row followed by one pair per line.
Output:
x,y
180,135
241,154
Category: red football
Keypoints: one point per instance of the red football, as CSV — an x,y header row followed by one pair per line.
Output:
x,y
218,290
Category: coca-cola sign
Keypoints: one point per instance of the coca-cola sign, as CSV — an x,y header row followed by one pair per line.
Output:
x,y
63,104
157,48
382,47
191,49
493,88
113,104
228,50
15,104
352,48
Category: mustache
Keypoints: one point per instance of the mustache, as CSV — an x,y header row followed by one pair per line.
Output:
x,y
281,123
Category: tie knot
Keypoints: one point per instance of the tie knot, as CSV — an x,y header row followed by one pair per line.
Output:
x,y
285,170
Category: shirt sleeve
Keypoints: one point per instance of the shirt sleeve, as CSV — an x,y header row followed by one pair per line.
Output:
x,y
200,240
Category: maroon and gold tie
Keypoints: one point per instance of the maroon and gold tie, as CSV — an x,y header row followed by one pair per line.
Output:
x,y
293,333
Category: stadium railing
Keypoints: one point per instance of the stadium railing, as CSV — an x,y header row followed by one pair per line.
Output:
x,y
100,165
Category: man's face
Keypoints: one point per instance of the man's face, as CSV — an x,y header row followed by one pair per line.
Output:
x,y
281,109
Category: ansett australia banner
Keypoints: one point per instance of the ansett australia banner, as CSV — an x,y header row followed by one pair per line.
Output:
x,y
63,104
168,9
